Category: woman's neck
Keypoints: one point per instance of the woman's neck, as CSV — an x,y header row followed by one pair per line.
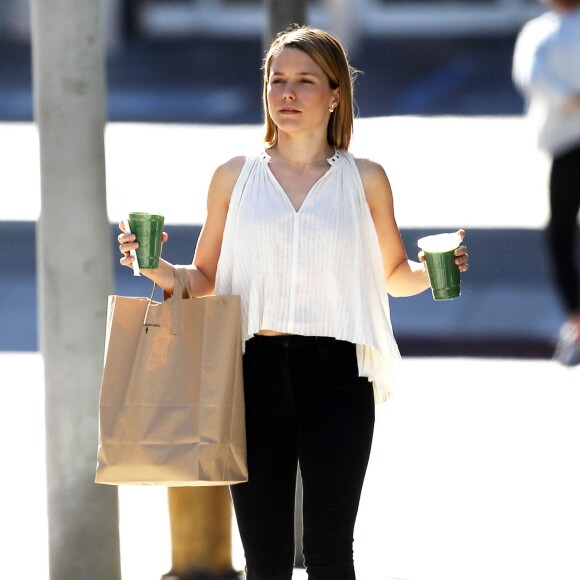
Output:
x,y
303,152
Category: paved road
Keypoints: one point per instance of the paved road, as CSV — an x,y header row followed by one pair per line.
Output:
x,y
507,307
208,80
474,475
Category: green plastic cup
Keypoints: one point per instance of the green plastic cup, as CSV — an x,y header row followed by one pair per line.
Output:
x,y
443,271
148,229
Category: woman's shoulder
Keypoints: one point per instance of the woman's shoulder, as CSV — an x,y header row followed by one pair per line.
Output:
x,y
374,179
224,180
232,168
227,175
369,170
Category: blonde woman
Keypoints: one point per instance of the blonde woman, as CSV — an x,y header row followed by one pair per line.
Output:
x,y
306,235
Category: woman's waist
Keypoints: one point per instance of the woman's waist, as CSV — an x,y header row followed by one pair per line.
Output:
x,y
267,332
297,343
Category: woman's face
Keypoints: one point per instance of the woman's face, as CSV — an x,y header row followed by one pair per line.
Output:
x,y
299,93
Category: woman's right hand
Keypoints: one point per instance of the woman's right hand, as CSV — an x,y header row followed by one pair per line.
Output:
x,y
128,242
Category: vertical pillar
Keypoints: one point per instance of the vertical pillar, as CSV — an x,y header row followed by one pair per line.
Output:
x,y
201,531
74,278
342,19
280,15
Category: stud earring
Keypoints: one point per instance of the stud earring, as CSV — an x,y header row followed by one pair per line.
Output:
x,y
331,109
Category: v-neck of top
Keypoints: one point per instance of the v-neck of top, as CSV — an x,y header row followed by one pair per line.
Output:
x,y
331,162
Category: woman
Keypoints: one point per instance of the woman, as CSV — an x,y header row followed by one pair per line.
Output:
x,y
306,235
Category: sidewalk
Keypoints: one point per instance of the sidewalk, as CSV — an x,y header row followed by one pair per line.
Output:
x,y
473,476
482,172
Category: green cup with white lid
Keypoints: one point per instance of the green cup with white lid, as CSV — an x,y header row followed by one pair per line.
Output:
x,y
440,257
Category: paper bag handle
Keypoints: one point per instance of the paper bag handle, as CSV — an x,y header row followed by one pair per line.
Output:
x,y
179,285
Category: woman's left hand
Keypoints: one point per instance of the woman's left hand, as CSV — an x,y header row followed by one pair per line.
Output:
x,y
461,255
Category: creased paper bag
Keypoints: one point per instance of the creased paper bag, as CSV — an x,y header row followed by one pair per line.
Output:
x,y
171,408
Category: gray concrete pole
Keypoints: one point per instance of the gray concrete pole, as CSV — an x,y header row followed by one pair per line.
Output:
x,y
74,270
280,15
341,18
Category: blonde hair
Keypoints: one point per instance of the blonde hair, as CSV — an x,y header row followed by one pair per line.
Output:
x,y
330,55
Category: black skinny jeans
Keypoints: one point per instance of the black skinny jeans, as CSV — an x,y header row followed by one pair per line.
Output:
x,y
304,402
562,227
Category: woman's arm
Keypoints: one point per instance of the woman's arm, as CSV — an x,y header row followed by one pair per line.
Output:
x,y
404,277
202,271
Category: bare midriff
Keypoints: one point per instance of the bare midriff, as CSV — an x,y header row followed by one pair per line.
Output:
x,y
273,333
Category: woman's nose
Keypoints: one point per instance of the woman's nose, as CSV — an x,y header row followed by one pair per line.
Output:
x,y
288,91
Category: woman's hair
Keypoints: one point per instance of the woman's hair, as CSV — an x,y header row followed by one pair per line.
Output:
x,y
566,4
329,54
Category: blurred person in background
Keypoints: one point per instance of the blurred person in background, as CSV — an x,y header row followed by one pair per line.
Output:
x,y
546,69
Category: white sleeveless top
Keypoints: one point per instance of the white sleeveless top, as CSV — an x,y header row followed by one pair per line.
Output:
x,y
316,271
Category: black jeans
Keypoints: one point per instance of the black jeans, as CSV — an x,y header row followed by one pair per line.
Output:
x,y
562,227
304,403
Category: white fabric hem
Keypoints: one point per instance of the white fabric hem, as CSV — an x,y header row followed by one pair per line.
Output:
x,y
380,370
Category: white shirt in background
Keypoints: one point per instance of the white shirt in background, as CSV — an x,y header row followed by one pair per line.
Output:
x,y
546,69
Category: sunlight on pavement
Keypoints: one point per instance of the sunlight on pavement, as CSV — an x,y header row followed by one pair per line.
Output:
x,y
467,175
473,476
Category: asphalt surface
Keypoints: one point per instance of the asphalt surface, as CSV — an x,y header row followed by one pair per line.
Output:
x,y
209,80
508,306
473,475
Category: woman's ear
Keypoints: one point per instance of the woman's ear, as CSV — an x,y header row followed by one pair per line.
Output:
x,y
335,98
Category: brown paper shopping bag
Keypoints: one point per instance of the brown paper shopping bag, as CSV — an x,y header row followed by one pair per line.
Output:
x,y
171,408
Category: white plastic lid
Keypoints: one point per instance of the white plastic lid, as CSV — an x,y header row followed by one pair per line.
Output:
x,y
440,242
